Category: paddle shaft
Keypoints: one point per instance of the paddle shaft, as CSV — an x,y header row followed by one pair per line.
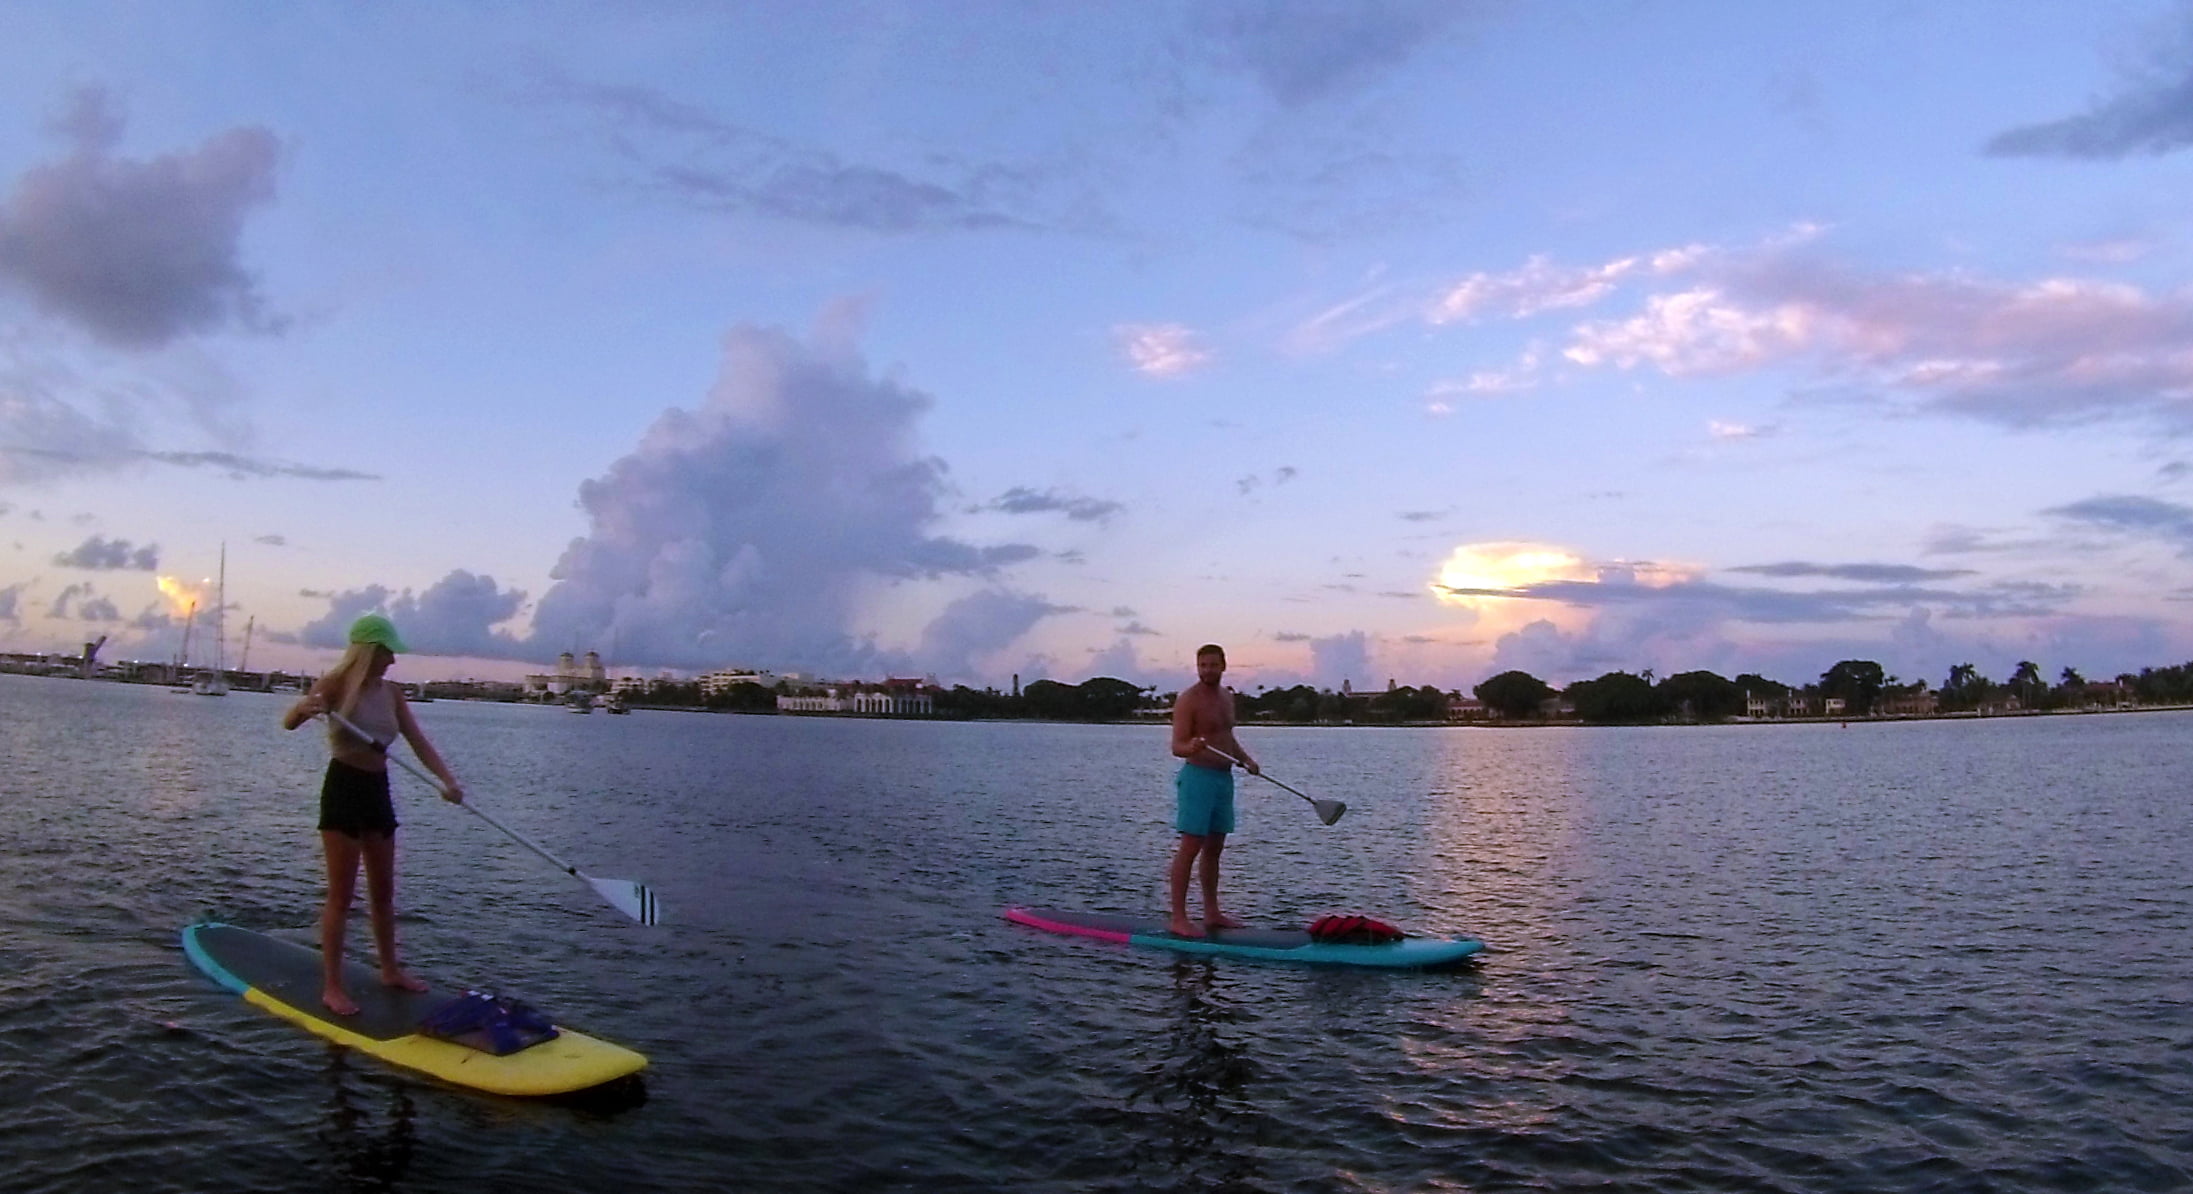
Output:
x,y
1328,811
436,784
1259,774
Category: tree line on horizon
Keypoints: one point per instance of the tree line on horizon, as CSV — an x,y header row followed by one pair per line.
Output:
x,y
1615,698
1861,684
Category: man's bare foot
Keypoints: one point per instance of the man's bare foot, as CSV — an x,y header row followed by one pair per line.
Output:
x,y
401,981
1219,920
1183,927
338,1002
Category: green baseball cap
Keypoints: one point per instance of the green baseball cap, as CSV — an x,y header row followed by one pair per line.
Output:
x,y
373,628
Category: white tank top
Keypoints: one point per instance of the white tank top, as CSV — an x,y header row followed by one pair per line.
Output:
x,y
375,714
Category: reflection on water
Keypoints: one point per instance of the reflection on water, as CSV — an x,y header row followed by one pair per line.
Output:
x,y
364,1155
1499,816
1198,1088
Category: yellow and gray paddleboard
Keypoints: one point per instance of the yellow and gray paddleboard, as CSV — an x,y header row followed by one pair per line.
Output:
x,y
284,978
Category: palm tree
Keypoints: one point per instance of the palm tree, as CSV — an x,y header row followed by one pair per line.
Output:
x,y
2027,680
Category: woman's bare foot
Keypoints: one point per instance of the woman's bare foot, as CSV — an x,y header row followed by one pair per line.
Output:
x,y
338,1001
1183,927
401,980
1219,920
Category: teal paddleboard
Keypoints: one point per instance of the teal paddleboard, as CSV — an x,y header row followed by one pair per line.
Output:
x,y
1267,945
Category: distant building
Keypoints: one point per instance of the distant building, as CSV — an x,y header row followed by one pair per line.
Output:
x,y
1467,708
721,681
1923,703
894,697
570,676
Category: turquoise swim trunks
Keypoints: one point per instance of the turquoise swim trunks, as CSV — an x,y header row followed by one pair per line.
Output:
x,y
1204,800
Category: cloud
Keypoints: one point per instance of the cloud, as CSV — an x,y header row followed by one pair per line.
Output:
x,y
2024,354
1251,483
1136,628
114,451
62,438
454,616
272,540
1290,636
245,468
2147,517
698,159
1305,53
976,625
1869,573
1161,350
1022,500
1381,308
100,554
755,526
1341,659
1727,432
1538,287
2151,116
139,252
1485,383
90,606
1120,662
1736,603
10,597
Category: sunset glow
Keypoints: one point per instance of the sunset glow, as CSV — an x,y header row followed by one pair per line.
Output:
x,y
1506,565
182,596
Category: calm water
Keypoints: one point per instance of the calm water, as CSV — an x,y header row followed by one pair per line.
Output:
x,y
1932,956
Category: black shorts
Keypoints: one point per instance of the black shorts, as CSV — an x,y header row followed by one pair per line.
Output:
x,y
354,802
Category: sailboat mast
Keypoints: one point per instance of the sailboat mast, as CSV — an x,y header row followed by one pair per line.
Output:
x,y
220,633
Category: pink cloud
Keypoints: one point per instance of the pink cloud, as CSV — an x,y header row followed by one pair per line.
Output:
x,y
1161,350
2018,352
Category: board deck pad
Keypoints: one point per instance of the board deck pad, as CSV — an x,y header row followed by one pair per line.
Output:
x,y
1278,945
283,977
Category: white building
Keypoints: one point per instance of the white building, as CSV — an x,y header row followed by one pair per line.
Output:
x,y
720,681
895,697
570,676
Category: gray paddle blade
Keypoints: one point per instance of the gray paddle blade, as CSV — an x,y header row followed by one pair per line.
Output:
x,y
1329,811
631,897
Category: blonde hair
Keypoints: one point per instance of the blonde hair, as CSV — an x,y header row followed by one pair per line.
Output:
x,y
343,684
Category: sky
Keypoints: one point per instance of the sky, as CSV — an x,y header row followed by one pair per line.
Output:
x,y
1378,342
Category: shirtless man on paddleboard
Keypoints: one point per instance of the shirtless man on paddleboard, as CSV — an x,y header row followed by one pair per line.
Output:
x,y
1203,718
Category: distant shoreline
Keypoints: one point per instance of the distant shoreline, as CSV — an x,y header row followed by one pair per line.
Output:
x,y
1158,720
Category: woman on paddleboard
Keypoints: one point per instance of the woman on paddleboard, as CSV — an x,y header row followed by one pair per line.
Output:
x,y
357,819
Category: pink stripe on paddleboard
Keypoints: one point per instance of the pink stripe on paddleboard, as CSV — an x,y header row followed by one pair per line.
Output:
x,y
1025,917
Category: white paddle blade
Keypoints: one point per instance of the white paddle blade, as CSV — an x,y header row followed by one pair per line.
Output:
x,y
631,897
1329,811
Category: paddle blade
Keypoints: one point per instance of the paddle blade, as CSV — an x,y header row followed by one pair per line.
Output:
x,y
1329,811
631,897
